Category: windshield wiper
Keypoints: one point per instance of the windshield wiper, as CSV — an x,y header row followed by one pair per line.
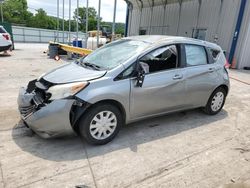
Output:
x,y
96,67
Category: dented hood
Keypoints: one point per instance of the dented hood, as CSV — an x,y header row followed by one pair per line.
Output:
x,y
72,73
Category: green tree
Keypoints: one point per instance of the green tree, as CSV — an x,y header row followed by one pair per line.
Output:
x,y
119,27
82,12
41,20
72,25
92,18
16,11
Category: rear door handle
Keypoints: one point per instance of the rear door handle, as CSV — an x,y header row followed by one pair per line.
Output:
x,y
177,77
211,69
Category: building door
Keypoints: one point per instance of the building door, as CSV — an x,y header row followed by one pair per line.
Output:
x,y
142,31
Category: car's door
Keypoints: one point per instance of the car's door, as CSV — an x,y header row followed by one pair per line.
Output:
x,y
200,75
163,86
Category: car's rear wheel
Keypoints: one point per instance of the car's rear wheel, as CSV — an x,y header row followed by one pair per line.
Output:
x,y
100,124
216,101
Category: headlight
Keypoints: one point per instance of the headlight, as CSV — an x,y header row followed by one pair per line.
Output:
x,y
66,90
41,76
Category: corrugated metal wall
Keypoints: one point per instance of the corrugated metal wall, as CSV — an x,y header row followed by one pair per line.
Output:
x,y
227,24
219,20
242,54
188,19
157,20
171,15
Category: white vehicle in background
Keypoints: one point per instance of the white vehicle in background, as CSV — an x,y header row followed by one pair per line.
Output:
x,y
5,40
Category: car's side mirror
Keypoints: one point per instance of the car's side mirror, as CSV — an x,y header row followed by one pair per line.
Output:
x,y
140,75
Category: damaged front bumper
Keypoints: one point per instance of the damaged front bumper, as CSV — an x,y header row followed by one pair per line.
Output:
x,y
46,119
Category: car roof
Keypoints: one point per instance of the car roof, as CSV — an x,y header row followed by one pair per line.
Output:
x,y
162,39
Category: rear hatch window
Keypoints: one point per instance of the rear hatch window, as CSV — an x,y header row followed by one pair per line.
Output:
x,y
2,30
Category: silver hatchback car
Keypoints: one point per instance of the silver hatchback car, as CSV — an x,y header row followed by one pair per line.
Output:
x,y
125,81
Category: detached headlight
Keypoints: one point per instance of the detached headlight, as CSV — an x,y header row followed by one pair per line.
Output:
x,y
66,90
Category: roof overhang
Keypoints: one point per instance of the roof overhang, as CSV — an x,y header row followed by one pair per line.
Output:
x,y
137,4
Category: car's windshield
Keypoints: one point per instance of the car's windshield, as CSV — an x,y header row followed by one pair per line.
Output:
x,y
113,54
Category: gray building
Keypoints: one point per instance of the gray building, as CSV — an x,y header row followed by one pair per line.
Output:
x,y
226,22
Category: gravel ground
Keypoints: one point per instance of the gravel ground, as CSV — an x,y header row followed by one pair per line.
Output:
x,y
187,149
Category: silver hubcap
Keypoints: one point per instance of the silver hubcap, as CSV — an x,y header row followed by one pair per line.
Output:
x,y
217,101
103,125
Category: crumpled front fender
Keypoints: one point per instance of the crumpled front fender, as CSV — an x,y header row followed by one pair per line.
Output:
x,y
50,120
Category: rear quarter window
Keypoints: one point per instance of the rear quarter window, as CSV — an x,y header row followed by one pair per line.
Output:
x,y
214,54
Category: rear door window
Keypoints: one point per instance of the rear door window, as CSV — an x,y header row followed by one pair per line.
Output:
x,y
2,30
195,55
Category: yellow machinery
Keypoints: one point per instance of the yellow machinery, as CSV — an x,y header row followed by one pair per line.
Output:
x,y
72,49
105,31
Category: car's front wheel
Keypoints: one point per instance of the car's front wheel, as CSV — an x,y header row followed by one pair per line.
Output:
x,y
100,124
216,101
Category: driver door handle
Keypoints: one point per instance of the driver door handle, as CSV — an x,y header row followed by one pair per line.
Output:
x,y
177,77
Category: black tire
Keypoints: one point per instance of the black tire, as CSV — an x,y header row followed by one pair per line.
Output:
x,y
87,118
208,108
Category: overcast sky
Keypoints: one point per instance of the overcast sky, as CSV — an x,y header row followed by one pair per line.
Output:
x,y
107,7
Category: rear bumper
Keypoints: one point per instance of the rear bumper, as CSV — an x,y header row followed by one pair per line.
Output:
x,y
4,48
50,120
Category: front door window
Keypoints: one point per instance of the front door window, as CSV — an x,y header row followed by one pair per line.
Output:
x,y
161,59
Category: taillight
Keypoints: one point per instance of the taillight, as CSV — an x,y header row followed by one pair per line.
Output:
x,y
226,66
6,36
